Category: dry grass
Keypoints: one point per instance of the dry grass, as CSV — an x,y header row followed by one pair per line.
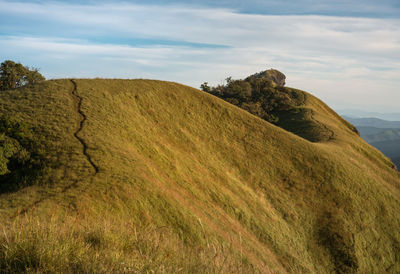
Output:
x,y
83,244
189,183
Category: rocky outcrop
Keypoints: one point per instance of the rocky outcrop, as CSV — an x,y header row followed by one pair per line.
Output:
x,y
277,77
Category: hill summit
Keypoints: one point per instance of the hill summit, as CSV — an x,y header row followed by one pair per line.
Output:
x,y
264,95
152,176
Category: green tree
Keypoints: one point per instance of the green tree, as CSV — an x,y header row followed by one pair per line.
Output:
x,y
239,89
14,75
205,87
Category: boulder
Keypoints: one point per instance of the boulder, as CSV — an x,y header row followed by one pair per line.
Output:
x,y
277,77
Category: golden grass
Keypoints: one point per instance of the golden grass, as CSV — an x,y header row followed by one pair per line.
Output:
x,y
189,183
75,243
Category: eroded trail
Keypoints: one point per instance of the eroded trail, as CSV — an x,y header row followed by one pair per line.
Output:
x,y
327,129
78,105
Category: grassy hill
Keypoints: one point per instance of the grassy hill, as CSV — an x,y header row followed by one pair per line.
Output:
x,y
140,175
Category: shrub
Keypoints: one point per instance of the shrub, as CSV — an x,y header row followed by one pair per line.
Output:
x,y
259,94
14,75
20,158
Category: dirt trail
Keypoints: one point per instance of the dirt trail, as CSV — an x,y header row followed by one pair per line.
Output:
x,y
331,132
78,104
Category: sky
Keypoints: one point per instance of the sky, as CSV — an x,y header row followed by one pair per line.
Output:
x,y
347,53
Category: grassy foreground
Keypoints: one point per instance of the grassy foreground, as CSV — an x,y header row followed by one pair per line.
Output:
x,y
140,175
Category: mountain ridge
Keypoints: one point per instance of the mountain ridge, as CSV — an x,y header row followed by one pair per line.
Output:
x,y
382,134
374,122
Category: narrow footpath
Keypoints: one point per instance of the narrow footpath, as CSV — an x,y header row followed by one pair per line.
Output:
x,y
78,104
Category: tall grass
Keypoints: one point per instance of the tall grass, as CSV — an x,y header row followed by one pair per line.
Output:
x,y
82,244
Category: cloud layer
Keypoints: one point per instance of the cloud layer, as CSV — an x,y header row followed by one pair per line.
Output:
x,y
347,61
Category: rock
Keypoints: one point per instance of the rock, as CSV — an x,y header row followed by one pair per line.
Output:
x,y
277,77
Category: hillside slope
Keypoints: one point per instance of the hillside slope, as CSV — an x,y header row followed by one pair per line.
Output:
x,y
140,175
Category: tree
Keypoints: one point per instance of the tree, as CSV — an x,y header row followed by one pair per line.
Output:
x,y
14,75
205,87
238,88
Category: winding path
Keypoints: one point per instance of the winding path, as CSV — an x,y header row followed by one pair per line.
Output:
x,y
331,132
78,104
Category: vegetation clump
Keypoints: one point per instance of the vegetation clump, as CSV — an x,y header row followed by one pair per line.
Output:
x,y
15,75
261,94
19,156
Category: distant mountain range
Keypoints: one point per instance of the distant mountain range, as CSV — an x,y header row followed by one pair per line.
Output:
x,y
355,113
382,134
373,122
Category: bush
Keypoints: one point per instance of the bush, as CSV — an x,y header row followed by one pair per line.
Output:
x,y
20,160
14,75
205,87
259,94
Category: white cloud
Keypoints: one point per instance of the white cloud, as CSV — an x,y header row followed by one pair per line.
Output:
x,y
338,59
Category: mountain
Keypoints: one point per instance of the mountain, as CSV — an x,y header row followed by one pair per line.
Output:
x,y
373,122
152,176
391,148
356,113
373,134
384,135
396,161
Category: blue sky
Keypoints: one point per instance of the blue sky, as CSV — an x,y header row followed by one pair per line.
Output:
x,y
345,52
